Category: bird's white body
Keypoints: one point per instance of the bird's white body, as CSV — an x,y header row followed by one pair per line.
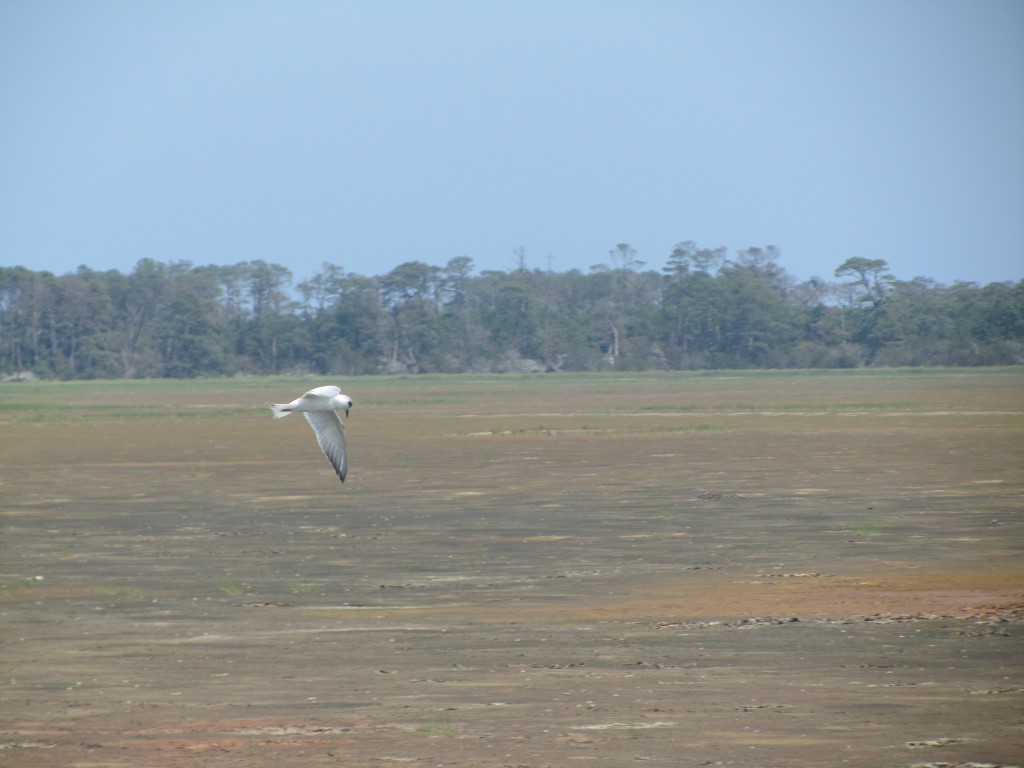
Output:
x,y
320,407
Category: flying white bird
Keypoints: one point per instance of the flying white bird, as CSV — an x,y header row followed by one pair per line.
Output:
x,y
320,407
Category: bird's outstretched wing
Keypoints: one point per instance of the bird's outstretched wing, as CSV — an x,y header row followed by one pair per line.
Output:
x,y
330,434
328,392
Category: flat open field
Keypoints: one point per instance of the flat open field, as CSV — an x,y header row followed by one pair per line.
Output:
x,y
740,569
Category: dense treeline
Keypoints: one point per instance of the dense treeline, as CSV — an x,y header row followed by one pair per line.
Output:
x,y
704,309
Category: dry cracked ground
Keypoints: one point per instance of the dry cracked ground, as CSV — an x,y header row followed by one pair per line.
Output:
x,y
747,569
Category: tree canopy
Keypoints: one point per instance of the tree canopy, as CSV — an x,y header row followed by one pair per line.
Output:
x,y
703,309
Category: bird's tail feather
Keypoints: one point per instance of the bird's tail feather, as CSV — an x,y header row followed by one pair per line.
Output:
x,y
280,410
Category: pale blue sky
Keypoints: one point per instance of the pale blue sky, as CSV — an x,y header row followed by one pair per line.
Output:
x,y
367,134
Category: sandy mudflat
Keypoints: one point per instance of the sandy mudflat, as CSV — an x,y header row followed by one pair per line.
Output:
x,y
521,572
